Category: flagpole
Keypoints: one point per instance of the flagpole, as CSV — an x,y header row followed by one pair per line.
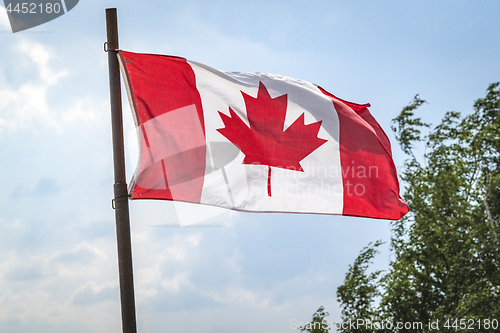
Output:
x,y
120,200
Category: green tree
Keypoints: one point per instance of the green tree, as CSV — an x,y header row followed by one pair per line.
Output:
x,y
359,291
318,324
446,249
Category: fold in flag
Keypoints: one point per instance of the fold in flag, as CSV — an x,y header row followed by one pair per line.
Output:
x,y
255,142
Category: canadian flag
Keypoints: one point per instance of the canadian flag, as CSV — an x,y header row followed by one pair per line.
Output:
x,y
255,142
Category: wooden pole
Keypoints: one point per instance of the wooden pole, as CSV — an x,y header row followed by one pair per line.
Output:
x,y
120,200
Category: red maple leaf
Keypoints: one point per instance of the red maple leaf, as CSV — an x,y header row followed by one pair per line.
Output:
x,y
265,142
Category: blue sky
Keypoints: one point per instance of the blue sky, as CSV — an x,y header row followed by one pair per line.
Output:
x,y
254,272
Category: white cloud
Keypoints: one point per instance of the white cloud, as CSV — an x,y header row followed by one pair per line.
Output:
x,y
149,276
40,56
45,288
30,103
21,107
175,284
27,104
4,19
83,253
237,295
37,291
91,293
84,110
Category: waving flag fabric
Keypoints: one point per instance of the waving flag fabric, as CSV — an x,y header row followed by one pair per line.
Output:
x,y
255,142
